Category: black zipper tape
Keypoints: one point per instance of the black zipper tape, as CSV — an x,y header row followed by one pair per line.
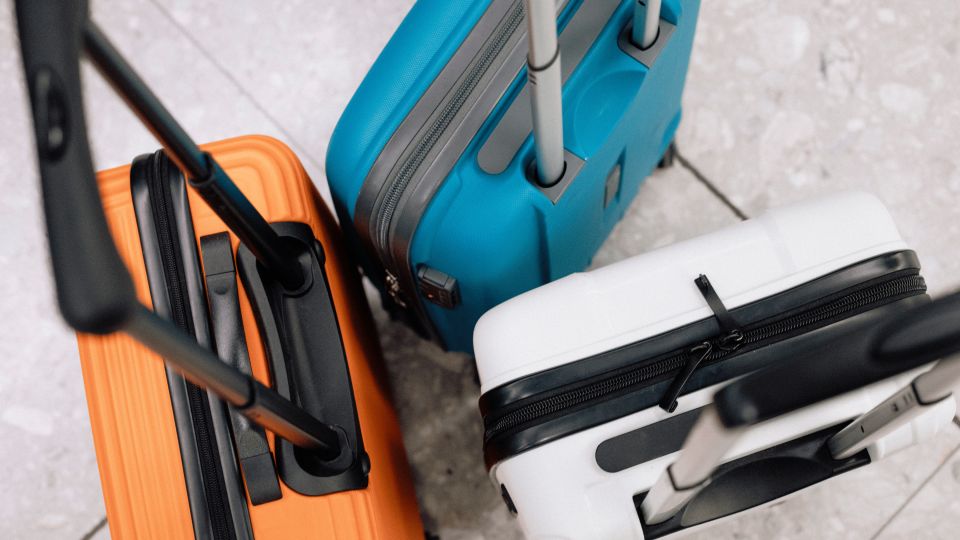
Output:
x,y
168,243
680,364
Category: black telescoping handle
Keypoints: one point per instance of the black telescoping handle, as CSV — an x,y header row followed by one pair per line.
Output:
x,y
929,331
94,290
859,357
205,174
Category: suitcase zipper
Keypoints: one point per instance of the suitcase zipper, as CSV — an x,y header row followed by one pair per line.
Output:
x,y
683,362
213,482
397,185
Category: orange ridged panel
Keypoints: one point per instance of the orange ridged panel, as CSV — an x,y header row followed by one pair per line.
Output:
x,y
129,402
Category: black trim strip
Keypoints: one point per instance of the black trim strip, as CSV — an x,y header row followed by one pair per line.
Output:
x,y
646,443
253,451
304,346
756,479
214,491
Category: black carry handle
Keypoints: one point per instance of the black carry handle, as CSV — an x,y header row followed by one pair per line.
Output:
x,y
855,359
930,331
94,290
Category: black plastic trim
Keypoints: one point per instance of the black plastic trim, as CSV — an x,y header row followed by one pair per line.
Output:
x,y
646,443
301,334
253,450
757,479
215,494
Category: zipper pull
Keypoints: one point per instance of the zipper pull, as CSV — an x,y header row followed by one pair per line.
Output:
x,y
695,356
731,341
393,289
724,318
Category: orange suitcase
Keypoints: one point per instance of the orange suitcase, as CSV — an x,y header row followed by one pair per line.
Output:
x,y
269,318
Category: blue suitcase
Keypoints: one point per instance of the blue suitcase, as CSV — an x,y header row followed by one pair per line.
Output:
x,y
432,160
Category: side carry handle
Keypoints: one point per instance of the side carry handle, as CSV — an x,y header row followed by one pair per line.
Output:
x,y
861,356
94,290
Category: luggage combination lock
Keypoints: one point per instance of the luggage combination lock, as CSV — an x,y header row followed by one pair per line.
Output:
x,y
438,287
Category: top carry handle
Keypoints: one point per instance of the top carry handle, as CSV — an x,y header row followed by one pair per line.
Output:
x,y
861,356
94,290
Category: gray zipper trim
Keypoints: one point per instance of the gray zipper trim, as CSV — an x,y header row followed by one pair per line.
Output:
x,y
435,133
422,152
439,124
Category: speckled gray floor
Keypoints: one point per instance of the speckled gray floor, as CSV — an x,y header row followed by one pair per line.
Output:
x,y
784,100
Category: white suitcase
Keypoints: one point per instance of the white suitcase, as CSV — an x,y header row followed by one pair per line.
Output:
x,y
572,372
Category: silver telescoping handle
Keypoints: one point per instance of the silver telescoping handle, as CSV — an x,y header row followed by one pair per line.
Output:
x,y
925,391
925,334
646,23
704,449
543,74
860,355
938,383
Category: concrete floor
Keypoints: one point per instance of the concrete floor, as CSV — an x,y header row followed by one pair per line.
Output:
x,y
784,100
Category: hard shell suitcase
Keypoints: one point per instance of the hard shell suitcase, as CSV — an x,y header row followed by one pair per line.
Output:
x,y
433,160
729,462
591,383
176,461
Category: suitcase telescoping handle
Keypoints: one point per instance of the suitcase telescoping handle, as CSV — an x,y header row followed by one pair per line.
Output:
x,y
546,90
94,290
546,81
646,23
859,357
933,330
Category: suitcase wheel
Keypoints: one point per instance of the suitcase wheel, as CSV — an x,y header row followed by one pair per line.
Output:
x,y
667,160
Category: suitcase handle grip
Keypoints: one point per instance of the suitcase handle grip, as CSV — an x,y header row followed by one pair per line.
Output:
x,y
53,34
859,357
94,289
95,292
931,331
865,354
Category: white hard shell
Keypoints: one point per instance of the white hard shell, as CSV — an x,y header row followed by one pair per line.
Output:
x,y
558,489
591,312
